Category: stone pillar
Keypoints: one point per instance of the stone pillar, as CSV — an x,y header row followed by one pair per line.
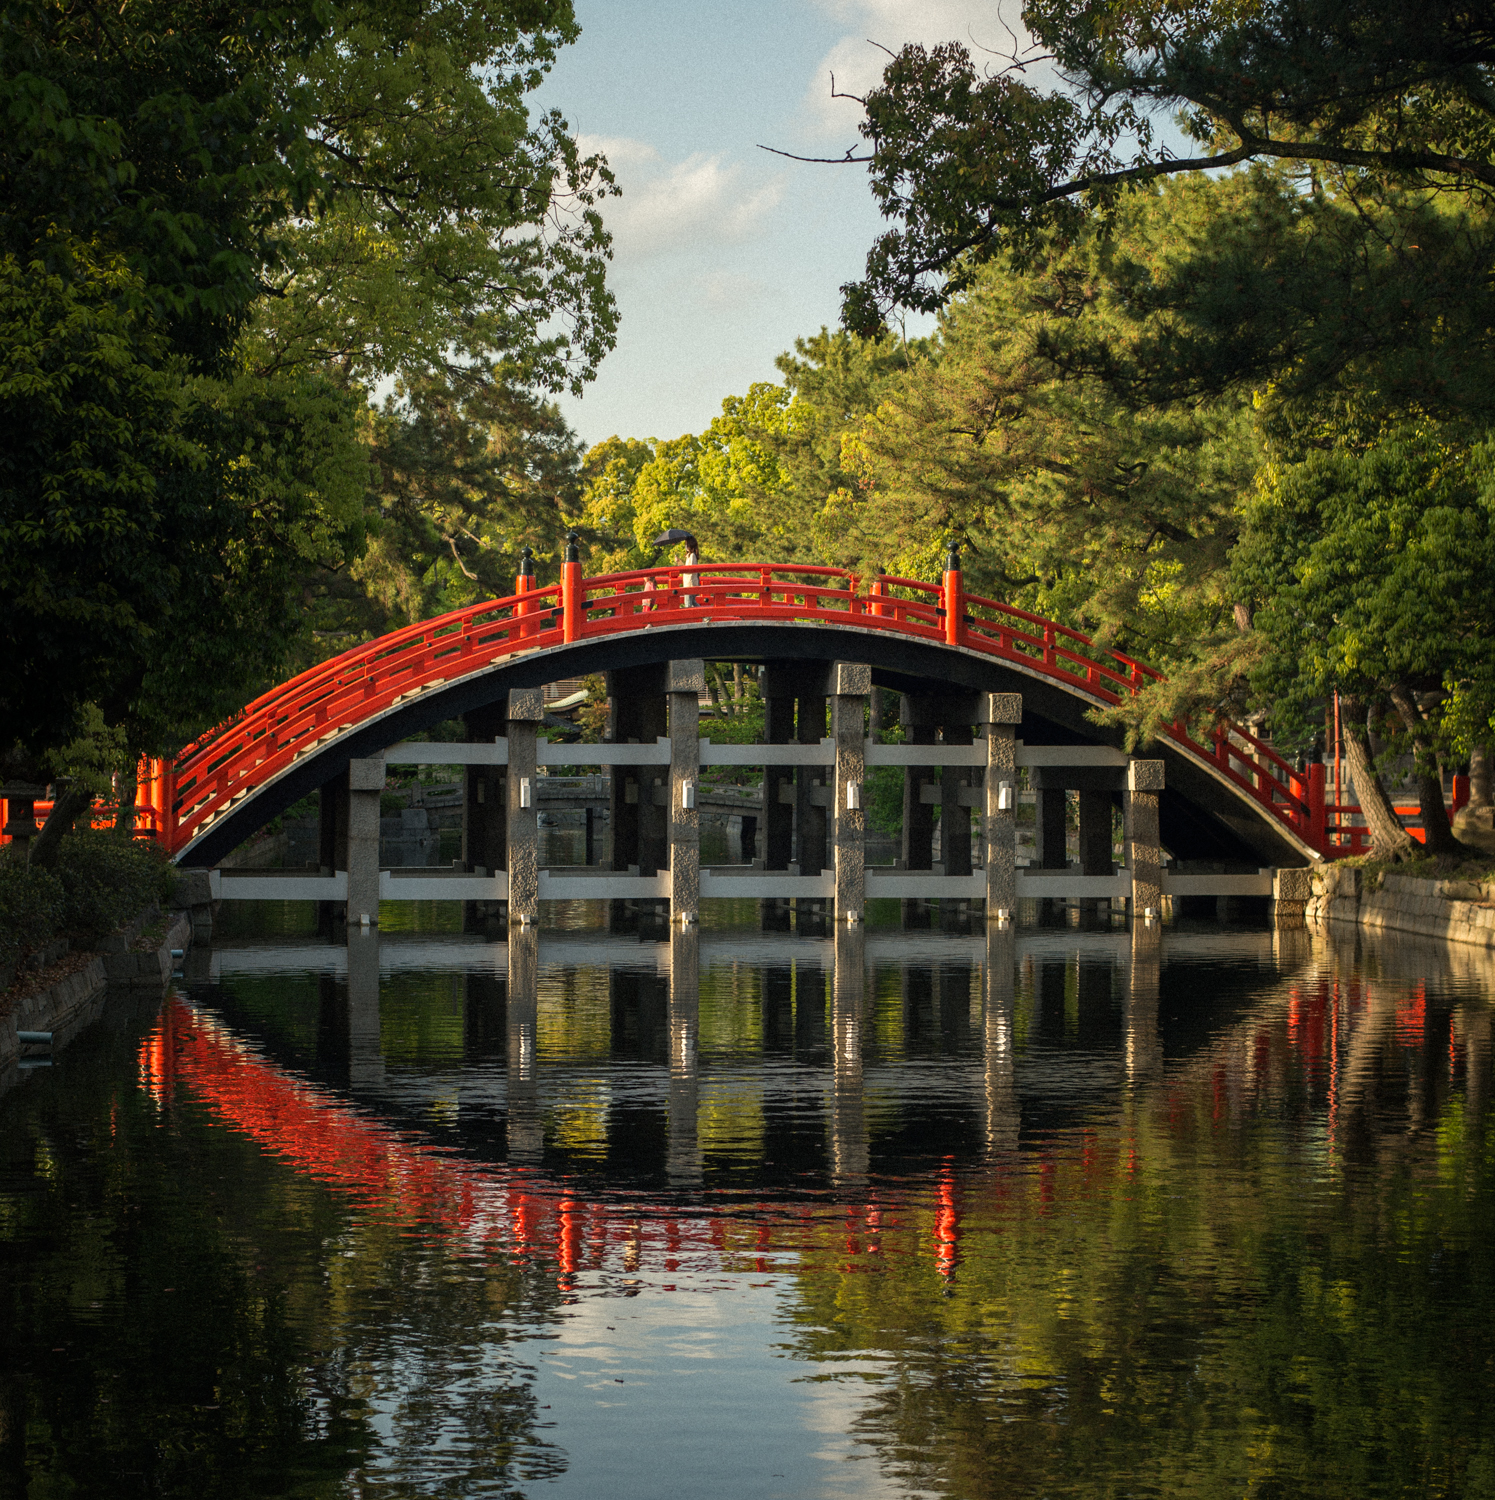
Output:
x,y
1144,1047
778,814
1003,1114
526,1129
849,1146
639,715
918,815
1004,712
526,713
485,804
955,806
1095,841
332,825
810,794
686,682
365,1049
683,1153
1144,854
852,685
365,785
1292,889
1053,827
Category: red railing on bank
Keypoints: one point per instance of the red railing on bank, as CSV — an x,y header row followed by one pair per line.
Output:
x,y
183,799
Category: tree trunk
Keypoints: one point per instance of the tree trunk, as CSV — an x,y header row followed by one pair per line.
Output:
x,y
1388,839
1480,791
1437,832
70,802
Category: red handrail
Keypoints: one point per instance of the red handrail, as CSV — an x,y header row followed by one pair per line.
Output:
x,y
290,721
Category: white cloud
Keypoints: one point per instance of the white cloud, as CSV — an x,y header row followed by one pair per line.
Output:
x,y
857,59
701,201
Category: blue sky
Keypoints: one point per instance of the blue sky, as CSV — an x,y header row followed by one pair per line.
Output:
x,y
724,254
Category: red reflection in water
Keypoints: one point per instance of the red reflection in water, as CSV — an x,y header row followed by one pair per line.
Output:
x,y
529,1216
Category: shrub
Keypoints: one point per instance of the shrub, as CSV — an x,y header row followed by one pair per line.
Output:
x,y
107,880
31,910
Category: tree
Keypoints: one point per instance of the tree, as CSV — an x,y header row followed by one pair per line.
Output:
x,y
1066,498
965,158
1373,566
469,471
242,216
770,477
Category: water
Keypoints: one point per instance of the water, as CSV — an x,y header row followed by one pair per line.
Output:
x,y
760,1214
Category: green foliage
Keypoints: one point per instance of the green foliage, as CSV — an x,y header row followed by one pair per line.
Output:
x,y
100,882
108,880
31,911
468,471
215,227
968,158
768,479
1374,567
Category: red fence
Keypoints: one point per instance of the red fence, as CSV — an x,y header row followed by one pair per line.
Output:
x,y
182,800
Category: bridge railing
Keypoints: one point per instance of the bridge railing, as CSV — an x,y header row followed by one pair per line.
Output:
x,y
291,720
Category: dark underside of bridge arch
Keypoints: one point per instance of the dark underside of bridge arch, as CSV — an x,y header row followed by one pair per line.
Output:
x,y
1201,819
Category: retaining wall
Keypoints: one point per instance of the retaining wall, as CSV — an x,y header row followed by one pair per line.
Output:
x,y
1461,911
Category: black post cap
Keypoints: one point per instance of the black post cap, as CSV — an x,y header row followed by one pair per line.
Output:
x,y
572,554
952,559
527,562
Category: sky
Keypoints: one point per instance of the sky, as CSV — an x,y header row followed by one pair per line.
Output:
x,y
723,253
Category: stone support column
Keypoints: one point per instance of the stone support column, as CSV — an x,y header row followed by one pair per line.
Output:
x,y
810,795
1292,889
853,683
365,785
522,817
639,714
485,804
1095,840
778,815
955,805
1144,853
332,825
919,727
1004,712
1053,827
686,682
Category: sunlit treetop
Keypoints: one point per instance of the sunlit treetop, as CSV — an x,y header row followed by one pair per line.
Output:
x,y
969,152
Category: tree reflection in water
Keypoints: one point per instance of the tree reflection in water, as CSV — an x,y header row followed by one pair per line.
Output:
x,y
1079,1212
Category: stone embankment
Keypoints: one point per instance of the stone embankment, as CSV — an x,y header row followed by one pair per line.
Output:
x,y
1461,911
138,957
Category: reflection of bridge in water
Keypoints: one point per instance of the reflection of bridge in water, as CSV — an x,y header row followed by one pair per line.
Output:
x,y
1305,1032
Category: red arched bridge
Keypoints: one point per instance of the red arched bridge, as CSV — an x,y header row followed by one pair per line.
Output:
x,y
1229,797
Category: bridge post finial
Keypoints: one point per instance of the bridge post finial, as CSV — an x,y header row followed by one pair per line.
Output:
x,y
954,598
571,589
527,562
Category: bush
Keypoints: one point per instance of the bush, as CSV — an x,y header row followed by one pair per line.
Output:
x,y
107,880
31,911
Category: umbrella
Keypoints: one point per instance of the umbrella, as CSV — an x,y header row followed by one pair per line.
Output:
x,y
674,535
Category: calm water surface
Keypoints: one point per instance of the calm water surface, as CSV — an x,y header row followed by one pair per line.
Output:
x,y
754,1213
